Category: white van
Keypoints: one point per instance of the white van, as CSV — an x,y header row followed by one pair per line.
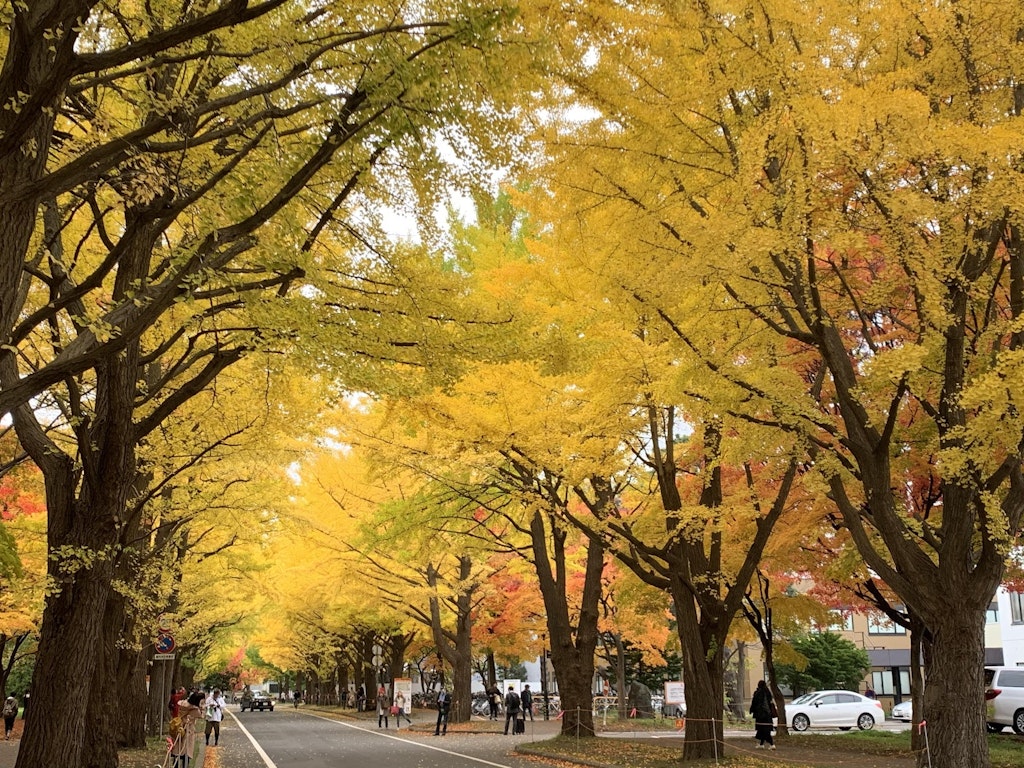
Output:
x,y
1004,698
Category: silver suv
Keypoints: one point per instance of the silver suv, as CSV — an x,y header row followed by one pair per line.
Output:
x,y
1004,698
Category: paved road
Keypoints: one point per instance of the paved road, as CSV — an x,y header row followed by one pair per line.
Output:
x,y
289,738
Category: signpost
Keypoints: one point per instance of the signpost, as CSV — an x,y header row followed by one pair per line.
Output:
x,y
163,646
378,662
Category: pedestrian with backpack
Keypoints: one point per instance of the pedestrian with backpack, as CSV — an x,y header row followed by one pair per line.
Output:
x,y
10,713
527,702
511,707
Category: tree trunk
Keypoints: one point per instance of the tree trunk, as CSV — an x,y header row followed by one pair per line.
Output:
x,y
131,680
462,692
343,683
620,674
780,701
120,667
577,700
367,673
100,747
492,671
462,660
72,619
954,698
572,647
918,634
705,686
456,646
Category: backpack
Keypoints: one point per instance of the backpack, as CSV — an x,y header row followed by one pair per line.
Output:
x,y
174,727
10,708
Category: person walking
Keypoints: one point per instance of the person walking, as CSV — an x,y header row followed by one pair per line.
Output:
x,y
383,706
214,715
527,701
360,699
444,705
512,703
176,698
10,714
189,711
400,710
762,707
493,700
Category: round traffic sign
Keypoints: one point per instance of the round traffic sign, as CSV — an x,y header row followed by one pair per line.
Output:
x,y
164,643
163,622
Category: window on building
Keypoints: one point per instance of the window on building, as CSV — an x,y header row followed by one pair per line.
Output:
x,y
880,624
882,682
992,614
1017,607
840,621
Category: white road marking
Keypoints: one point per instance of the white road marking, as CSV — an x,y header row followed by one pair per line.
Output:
x,y
266,758
407,741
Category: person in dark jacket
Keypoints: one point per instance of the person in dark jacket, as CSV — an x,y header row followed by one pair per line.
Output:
x,y
511,707
10,713
527,701
762,707
444,705
493,700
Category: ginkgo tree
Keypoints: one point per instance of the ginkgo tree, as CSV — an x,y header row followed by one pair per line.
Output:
x,y
166,171
485,487
412,552
606,399
836,185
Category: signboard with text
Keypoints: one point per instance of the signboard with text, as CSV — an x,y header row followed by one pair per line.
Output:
x,y
674,692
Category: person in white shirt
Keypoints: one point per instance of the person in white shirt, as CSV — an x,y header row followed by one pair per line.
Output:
x,y
214,714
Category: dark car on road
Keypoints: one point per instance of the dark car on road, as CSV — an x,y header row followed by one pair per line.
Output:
x,y
258,700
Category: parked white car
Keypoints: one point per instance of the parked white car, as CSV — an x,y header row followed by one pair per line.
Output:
x,y
903,711
1004,698
834,709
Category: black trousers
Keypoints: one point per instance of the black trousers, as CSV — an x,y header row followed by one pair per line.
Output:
x,y
442,722
510,717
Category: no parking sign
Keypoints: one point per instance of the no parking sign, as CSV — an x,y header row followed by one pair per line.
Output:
x,y
164,643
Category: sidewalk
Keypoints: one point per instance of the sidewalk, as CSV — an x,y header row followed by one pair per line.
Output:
x,y
9,753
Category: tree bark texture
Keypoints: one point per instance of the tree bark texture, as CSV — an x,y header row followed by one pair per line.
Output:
x,y
572,646
954,698
703,671
456,644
